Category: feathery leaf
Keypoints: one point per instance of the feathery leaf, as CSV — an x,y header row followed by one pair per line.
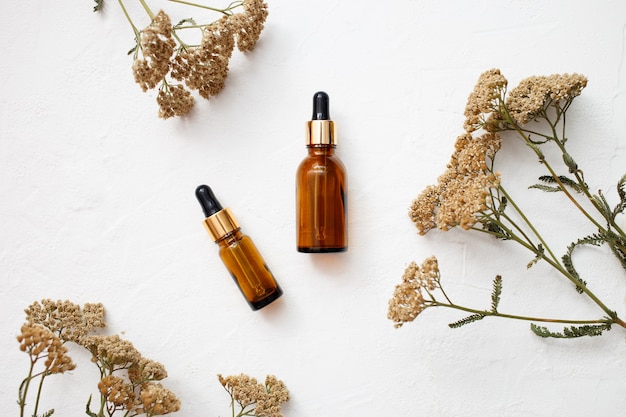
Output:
x,y
549,179
572,331
545,188
496,293
466,320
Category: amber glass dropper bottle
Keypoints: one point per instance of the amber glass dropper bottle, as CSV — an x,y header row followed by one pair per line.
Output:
x,y
321,186
238,252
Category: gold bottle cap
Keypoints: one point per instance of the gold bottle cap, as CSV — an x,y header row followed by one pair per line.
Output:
x,y
320,132
220,224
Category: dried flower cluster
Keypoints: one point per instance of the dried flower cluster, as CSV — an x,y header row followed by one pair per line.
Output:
x,y
462,192
408,298
253,398
470,194
129,378
41,343
127,381
535,94
163,59
484,102
67,320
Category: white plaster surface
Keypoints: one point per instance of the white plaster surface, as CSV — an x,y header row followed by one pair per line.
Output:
x,y
97,205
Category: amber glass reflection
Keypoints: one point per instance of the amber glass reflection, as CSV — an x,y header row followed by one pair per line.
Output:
x,y
248,269
321,202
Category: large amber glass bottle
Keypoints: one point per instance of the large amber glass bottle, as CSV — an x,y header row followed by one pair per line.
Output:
x,y
238,253
321,187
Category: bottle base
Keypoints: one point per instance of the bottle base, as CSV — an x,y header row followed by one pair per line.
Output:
x,y
306,249
257,305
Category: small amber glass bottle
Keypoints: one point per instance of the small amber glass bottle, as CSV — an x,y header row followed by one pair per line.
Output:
x,y
321,186
238,252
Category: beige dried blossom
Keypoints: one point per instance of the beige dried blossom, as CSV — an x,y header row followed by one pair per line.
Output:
x,y
408,298
40,342
535,93
249,24
205,67
463,200
157,47
66,319
174,100
158,400
118,391
463,190
423,209
112,351
243,388
146,370
484,99
247,392
277,393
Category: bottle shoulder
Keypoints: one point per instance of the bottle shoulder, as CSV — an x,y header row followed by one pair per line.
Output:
x,y
320,162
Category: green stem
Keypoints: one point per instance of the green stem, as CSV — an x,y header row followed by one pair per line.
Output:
x,y
226,11
26,383
130,21
581,183
571,197
39,389
147,9
525,318
528,223
552,261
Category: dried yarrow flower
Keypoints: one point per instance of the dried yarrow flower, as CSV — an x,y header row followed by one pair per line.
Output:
x,y
157,47
112,351
40,342
269,405
146,370
158,400
463,191
243,389
247,392
484,99
117,391
408,301
249,24
535,93
174,100
160,55
66,319
205,67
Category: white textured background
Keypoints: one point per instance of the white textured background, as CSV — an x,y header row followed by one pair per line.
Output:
x,y
97,204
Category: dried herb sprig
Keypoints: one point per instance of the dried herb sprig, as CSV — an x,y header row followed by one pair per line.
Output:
x,y
250,398
129,383
163,60
470,195
127,380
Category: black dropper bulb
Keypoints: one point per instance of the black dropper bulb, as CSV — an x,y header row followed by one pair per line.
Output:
x,y
321,106
207,200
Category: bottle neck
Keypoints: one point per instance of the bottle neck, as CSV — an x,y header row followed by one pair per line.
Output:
x,y
230,238
321,150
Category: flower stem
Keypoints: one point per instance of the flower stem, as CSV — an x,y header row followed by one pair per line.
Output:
x,y
529,223
226,11
130,21
43,376
147,9
525,318
26,383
